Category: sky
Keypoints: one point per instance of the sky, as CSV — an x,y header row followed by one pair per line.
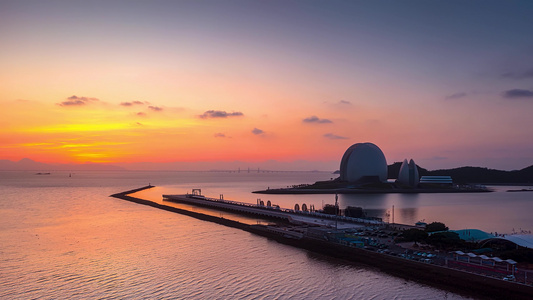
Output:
x,y
267,83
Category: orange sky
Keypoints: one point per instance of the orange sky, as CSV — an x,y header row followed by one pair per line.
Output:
x,y
206,81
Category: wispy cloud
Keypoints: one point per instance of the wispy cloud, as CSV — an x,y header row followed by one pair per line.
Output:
x,y
220,135
155,108
219,114
77,101
340,103
456,96
439,158
517,93
315,119
141,114
257,131
519,75
332,136
133,103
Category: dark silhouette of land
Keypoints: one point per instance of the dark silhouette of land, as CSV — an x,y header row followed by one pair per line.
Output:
x,y
473,175
465,180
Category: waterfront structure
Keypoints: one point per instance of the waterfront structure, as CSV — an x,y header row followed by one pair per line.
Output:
x,y
442,180
363,162
408,174
295,215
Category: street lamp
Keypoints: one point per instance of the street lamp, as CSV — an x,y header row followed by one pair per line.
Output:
x,y
336,210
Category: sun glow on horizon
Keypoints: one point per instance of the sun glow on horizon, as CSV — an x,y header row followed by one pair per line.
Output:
x,y
217,81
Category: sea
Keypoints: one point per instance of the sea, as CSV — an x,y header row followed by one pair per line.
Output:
x,y
63,237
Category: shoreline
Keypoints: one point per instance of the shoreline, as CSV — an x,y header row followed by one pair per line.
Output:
x,y
289,191
456,281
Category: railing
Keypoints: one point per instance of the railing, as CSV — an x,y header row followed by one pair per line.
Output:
x,y
290,211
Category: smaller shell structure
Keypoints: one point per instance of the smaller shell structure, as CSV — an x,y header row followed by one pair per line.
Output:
x,y
409,173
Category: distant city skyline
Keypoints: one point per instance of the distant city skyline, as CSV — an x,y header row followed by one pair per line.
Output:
x,y
446,83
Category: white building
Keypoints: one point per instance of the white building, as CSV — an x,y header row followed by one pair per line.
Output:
x,y
363,161
408,174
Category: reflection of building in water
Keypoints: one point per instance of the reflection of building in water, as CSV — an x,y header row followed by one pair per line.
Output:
x,y
379,213
408,215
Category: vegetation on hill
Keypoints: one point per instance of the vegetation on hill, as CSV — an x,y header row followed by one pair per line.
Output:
x,y
464,175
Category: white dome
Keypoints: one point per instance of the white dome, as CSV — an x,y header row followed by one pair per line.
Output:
x,y
408,174
363,160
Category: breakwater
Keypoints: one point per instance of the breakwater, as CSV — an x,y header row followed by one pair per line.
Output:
x,y
445,278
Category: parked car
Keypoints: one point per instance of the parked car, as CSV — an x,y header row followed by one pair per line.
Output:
x,y
509,278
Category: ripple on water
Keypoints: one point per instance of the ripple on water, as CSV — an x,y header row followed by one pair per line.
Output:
x,y
80,244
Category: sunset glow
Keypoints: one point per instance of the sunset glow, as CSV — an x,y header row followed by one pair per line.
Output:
x,y
257,81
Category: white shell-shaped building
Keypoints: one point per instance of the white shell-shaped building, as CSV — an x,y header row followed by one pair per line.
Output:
x,y
409,173
363,160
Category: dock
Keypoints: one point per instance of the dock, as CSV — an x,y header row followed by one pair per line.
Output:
x,y
297,217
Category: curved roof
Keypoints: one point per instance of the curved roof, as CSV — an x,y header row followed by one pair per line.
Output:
x,y
362,160
473,235
524,240
476,235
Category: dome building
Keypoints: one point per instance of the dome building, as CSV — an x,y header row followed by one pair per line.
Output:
x,y
408,174
363,162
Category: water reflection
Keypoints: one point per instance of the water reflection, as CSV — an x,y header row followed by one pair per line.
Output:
x,y
363,200
408,215
398,208
498,211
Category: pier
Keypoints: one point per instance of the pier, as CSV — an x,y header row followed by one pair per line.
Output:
x,y
298,217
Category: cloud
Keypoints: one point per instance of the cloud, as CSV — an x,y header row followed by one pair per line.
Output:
x,y
77,101
519,75
141,114
219,114
220,135
133,103
74,97
257,131
315,119
332,136
345,102
456,96
439,158
155,108
517,93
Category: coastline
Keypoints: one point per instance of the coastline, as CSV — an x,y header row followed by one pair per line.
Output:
x,y
444,278
288,191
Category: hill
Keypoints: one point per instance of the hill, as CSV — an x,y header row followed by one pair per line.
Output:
x,y
465,175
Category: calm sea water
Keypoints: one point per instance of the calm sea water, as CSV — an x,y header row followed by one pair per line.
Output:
x,y
63,237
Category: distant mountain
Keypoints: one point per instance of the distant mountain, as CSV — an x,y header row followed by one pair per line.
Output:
x,y
27,164
473,174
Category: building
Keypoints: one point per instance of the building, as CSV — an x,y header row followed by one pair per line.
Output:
x,y
408,174
363,162
441,180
